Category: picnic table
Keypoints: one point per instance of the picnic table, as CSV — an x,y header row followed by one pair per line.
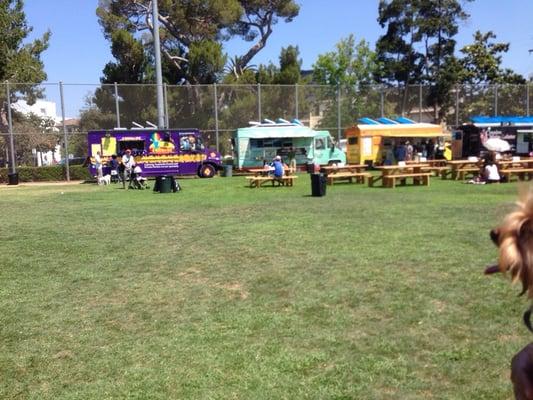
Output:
x,y
345,172
391,173
262,176
460,168
519,167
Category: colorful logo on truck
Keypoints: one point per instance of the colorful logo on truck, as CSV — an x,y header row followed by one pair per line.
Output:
x,y
160,146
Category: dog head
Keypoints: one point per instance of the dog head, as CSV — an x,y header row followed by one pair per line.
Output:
x,y
514,238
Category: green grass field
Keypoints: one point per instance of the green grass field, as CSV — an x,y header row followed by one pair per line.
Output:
x,y
226,292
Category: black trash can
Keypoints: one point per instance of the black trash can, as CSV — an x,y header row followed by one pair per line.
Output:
x,y
227,171
163,184
13,179
318,185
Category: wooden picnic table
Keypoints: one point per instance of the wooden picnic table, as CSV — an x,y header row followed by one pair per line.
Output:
x,y
345,173
391,173
265,171
459,168
518,167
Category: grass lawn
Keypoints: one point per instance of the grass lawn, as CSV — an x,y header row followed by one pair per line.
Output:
x,y
226,292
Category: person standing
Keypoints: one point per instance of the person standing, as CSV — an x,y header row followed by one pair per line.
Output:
x,y
98,166
113,165
129,162
408,151
292,160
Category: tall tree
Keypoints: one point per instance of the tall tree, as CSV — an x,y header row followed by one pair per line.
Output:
x,y
481,72
418,46
438,23
20,62
351,68
481,63
189,29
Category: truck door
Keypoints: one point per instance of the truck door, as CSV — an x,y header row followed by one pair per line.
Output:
x,y
320,148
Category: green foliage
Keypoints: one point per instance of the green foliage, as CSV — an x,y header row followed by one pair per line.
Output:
x,y
206,61
20,61
351,68
289,66
427,24
482,62
53,173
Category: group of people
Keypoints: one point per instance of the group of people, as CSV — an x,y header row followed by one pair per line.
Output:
x,y
121,170
407,151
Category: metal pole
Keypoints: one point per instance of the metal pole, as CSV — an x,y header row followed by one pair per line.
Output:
x,y
13,156
259,101
216,116
117,108
65,139
165,93
495,100
382,101
527,99
158,73
457,105
420,102
338,113
296,99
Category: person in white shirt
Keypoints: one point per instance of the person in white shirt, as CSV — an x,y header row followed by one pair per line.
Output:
x,y
98,166
492,175
129,162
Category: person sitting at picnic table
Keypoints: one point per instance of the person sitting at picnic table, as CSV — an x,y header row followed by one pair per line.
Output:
x,y
278,167
490,171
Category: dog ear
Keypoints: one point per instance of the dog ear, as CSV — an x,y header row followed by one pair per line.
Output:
x,y
515,238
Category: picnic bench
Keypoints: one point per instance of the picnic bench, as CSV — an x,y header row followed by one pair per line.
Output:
x,y
459,169
390,174
257,181
519,172
346,173
360,177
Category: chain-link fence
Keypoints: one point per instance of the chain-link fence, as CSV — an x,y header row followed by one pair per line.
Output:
x,y
42,123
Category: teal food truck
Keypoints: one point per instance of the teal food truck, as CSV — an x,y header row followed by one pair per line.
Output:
x,y
262,142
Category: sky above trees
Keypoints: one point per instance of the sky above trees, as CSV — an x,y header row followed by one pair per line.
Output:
x,y
78,50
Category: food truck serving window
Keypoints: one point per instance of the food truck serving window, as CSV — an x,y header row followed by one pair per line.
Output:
x,y
352,140
260,143
136,146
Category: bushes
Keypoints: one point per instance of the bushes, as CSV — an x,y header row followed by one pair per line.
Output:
x,y
42,174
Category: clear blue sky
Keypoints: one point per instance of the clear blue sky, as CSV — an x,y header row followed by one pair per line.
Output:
x,y
78,50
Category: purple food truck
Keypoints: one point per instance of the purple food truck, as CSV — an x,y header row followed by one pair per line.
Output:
x,y
156,151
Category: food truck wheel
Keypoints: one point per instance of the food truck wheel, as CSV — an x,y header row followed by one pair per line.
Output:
x,y
206,171
336,162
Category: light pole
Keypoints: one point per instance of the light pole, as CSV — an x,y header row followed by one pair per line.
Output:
x,y
158,73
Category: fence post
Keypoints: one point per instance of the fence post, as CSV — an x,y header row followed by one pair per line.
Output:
x,y
65,139
496,100
13,156
338,113
166,105
296,100
419,102
117,107
259,101
457,105
216,115
382,100
527,99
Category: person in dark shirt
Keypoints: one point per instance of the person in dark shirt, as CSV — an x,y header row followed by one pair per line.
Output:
x,y
113,165
401,152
